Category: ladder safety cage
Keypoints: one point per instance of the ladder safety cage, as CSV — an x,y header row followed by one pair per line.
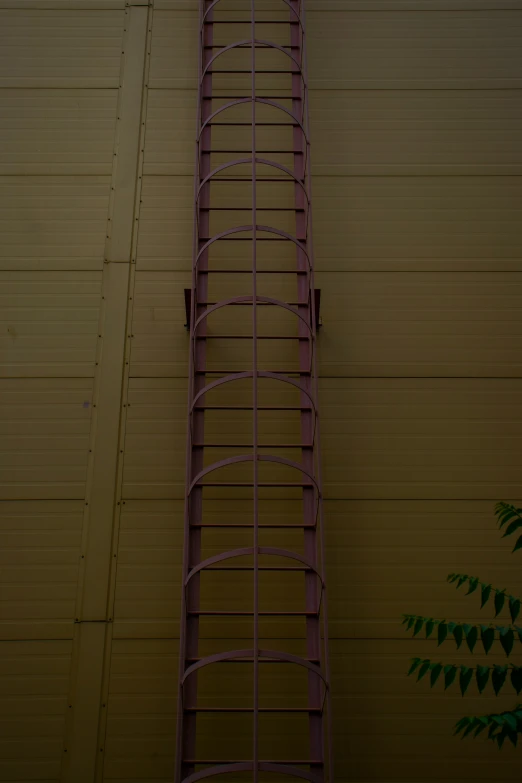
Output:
x,y
253,425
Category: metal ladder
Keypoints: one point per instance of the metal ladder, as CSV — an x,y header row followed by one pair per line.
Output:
x,y
253,354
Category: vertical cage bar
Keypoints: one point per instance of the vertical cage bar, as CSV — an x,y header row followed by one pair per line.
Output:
x,y
255,395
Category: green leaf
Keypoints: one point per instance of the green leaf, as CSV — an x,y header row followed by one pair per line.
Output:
x,y
514,608
482,677
518,545
519,632
411,621
516,678
473,584
418,625
423,669
450,672
414,665
452,578
442,632
513,737
458,635
466,675
507,640
505,514
492,729
486,592
498,678
487,635
461,724
510,720
470,728
462,578
483,723
471,637
435,673
500,738
515,525
430,625
451,627
500,598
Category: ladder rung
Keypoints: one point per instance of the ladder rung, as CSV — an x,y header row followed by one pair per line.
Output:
x,y
257,46
250,408
258,304
294,762
263,484
249,271
250,337
246,178
258,152
248,22
258,124
233,372
249,239
190,661
247,209
240,97
251,446
251,568
283,73
239,613
251,709
244,526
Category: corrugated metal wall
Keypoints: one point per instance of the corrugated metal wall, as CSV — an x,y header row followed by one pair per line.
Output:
x,y
417,121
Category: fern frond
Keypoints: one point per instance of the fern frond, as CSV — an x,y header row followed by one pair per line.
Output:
x,y
465,631
498,675
505,513
501,726
487,591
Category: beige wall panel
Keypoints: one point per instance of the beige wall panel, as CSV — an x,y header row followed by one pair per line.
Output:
x,y
57,131
165,235
45,426
40,556
420,325
396,223
159,345
417,223
420,438
149,564
432,324
50,323
163,155
339,5
411,50
384,558
368,50
33,704
415,132
382,438
412,465
53,223
60,47
381,720
68,5
369,132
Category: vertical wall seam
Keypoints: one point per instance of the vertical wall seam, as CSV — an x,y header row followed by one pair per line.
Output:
x,y
93,631
125,402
